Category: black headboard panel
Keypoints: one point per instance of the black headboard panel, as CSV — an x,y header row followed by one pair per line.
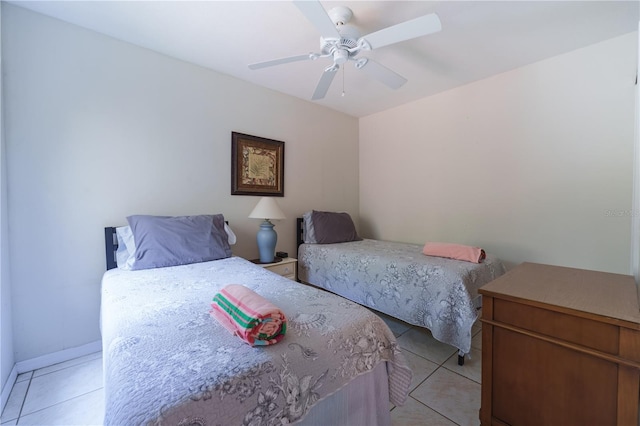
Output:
x,y
111,246
299,231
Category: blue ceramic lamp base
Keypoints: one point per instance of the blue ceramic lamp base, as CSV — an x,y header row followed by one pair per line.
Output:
x,y
267,239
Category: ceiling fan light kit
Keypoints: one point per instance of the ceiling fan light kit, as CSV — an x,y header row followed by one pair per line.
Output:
x,y
342,42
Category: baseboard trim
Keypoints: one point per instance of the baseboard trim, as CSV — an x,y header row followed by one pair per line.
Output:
x,y
57,357
6,389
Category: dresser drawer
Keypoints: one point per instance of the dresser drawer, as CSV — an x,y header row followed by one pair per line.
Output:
x,y
286,269
581,331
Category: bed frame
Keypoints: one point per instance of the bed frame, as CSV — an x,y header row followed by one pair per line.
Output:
x,y
300,240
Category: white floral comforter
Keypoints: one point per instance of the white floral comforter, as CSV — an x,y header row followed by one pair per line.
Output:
x,y
398,280
167,361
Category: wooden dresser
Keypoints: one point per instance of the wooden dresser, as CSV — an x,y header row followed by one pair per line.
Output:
x,y
560,346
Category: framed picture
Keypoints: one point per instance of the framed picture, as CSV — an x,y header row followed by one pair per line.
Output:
x,y
257,166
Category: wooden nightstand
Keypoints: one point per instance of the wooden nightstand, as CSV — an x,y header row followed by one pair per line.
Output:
x,y
287,267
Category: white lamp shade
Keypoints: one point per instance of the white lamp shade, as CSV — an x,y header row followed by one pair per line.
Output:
x,y
267,208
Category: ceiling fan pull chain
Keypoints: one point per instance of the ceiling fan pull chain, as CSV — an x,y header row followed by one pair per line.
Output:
x,y
343,81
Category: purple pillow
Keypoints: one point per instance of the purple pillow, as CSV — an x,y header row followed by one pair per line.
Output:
x,y
169,241
333,227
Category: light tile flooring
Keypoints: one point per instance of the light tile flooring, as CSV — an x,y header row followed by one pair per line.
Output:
x,y
69,393
443,393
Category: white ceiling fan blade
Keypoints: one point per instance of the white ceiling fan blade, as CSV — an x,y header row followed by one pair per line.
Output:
x,y
383,74
280,61
323,84
418,27
315,13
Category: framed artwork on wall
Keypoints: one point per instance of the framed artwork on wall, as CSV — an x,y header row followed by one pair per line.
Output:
x,y
257,166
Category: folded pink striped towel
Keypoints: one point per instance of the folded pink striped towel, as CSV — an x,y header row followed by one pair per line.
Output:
x,y
455,251
248,315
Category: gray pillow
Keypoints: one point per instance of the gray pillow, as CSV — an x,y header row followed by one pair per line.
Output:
x,y
169,241
330,227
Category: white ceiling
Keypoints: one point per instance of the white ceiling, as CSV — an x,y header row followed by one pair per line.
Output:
x,y
478,39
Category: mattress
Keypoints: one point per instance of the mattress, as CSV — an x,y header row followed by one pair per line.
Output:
x,y
167,361
397,279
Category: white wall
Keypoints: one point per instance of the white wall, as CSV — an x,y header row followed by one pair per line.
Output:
x,y
533,165
97,129
635,210
6,323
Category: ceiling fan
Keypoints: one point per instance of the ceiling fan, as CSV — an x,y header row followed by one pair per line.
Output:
x,y
342,42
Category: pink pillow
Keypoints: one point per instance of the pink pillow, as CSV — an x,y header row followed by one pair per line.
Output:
x,y
454,251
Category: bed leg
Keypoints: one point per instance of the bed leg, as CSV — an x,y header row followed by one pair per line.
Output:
x,y
460,359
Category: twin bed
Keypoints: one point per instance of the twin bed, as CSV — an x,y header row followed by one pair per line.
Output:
x,y
167,361
397,279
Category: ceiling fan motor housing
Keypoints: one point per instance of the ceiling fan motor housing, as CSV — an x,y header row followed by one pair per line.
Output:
x,y
344,47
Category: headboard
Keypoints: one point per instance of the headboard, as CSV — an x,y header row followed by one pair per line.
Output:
x,y
299,231
111,246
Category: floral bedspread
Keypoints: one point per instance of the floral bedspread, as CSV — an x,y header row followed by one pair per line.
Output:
x,y
398,280
167,361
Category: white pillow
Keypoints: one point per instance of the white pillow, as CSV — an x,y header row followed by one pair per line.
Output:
x,y
126,252
231,236
309,231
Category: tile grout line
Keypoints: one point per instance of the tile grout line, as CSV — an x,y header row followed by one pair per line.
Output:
x,y
434,410
63,368
439,366
427,405
58,403
33,376
24,399
461,375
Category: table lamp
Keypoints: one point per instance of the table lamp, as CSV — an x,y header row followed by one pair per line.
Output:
x,y
267,209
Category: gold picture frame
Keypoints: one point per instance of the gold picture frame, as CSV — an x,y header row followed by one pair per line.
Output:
x,y
257,166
